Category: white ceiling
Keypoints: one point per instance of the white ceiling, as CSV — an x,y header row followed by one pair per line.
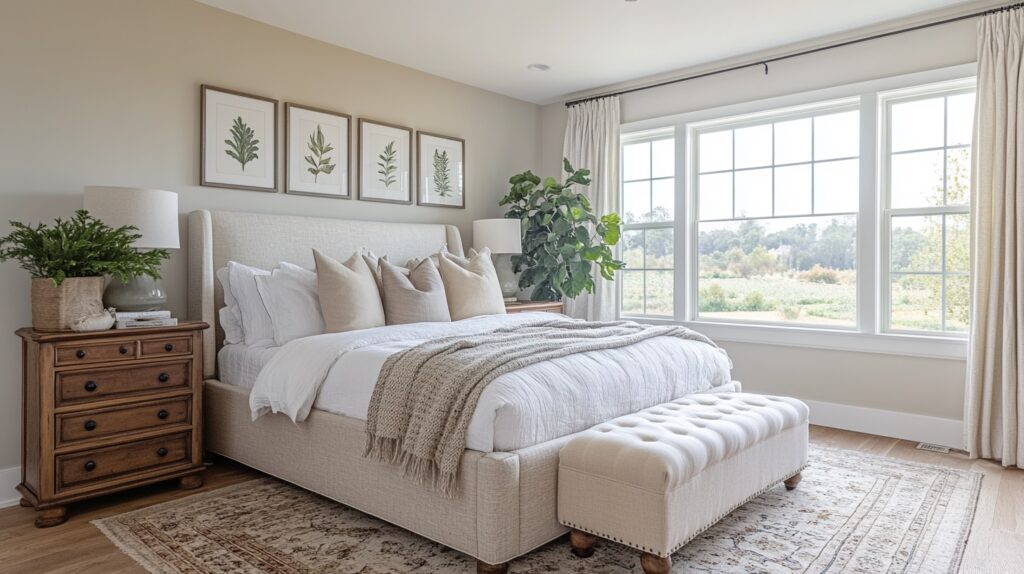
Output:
x,y
587,43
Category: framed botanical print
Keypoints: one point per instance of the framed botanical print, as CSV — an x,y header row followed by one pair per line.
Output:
x,y
238,140
385,162
316,152
440,170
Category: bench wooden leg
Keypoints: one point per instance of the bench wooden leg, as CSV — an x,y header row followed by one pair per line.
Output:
x,y
582,543
485,568
655,564
792,481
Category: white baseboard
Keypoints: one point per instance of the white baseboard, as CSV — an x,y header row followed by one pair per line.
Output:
x,y
895,424
9,479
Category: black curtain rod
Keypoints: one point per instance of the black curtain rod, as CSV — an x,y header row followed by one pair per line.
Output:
x,y
764,63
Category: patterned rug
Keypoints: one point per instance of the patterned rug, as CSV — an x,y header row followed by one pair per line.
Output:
x,y
852,513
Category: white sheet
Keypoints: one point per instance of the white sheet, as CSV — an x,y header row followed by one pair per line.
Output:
x,y
337,372
240,364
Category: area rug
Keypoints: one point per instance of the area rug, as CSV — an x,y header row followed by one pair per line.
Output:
x,y
852,513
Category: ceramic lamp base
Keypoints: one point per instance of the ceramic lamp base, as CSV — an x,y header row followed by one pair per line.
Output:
x,y
141,293
506,276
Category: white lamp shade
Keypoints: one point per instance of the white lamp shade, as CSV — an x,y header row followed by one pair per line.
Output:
x,y
154,212
500,235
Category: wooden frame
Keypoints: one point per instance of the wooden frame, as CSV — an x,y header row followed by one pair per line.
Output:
x,y
272,160
287,150
359,184
420,188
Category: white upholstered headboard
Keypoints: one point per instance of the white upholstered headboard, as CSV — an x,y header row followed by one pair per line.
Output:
x,y
263,240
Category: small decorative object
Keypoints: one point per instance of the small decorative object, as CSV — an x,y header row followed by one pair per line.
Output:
x,y
441,170
100,321
385,160
559,248
504,238
154,213
239,140
316,152
68,261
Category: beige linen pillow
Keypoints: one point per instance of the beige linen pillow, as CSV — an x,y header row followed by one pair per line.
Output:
x,y
349,298
413,295
471,285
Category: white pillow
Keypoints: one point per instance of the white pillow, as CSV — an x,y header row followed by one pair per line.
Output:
x,y
229,314
256,323
289,293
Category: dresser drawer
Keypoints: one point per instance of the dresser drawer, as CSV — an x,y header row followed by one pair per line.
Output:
x,y
86,353
108,383
102,423
167,347
113,461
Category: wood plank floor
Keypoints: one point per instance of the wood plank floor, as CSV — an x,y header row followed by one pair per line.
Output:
x,y
996,544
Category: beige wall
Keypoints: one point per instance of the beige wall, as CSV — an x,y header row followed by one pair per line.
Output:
x,y
106,92
909,384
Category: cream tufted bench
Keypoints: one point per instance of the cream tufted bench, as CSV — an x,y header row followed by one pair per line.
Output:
x,y
657,478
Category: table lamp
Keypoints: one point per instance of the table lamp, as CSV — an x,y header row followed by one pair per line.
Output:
x,y
504,238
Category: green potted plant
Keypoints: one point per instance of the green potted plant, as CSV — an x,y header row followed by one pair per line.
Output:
x,y
68,262
562,238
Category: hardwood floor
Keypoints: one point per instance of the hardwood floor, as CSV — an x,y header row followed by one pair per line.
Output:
x,y
996,544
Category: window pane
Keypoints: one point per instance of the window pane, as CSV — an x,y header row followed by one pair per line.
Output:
x,y
958,242
659,293
958,302
798,270
663,158
836,186
917,124
715,193
633,249
636,161
754,193
960,115
916,303
658,247
663,199
715,151
916,243
636,201
958,176
753,146
632,291
793,190
793,141
837,135
916,179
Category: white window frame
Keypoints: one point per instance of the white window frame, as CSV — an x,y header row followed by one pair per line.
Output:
x,y
868,336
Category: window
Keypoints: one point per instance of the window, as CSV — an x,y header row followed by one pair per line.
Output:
x,y
777,202
926,217
648,213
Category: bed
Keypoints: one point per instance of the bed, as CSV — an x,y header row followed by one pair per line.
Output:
x,y
506,503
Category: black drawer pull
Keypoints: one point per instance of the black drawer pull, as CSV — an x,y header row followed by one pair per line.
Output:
x,y
161,452
90,425
90,466
80,354
123,350
164,377
163,414
168,347
90,386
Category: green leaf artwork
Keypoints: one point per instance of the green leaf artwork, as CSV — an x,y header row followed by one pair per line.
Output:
x,y
442,174
388,165
319,160
243,143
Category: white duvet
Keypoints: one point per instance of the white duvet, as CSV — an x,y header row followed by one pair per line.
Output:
x,y
337,372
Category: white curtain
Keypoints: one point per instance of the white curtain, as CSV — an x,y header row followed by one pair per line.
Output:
x,y
994,405
592,142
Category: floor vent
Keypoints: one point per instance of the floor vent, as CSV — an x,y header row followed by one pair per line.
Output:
x,y
933,447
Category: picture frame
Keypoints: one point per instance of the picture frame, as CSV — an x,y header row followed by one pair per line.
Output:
x,y
440,170
317,158
385,162
237,140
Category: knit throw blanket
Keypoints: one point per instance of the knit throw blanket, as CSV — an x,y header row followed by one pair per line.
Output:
x,y
426,395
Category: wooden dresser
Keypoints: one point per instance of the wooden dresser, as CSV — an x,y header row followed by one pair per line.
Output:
x,y
107,411
524,306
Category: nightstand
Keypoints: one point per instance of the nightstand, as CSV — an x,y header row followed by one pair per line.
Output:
x,y
107,411
524,306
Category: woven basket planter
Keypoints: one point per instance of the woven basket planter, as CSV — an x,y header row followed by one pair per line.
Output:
x,y
56,308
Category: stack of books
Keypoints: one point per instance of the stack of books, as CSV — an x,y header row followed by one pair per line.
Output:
x,y
141,319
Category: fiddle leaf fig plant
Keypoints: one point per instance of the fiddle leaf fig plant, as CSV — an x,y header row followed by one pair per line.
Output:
x,y
562,238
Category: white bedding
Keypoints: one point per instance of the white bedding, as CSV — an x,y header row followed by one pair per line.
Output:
x,y
337,372
239,365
